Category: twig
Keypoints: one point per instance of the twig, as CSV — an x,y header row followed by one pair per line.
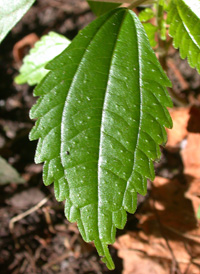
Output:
x,y
136,3
56,260
48,219
30,259
184,235
191,258
28,212
114,1
175,264
177,73
178,101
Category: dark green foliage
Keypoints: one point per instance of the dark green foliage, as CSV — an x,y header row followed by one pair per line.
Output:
x,y
100,8
184,20
101,117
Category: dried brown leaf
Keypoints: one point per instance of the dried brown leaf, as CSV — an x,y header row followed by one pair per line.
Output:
x,y
191,155
180,117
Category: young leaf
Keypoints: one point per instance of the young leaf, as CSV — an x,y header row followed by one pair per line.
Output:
x,y
146,15
10,13
150,29
151,32
9,174
184,19
101,117
198,213
100,8
33,69
136,2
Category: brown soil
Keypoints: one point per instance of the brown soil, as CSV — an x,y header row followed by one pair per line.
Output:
x,y
44,241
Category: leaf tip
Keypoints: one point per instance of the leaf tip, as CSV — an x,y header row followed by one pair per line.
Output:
x,y
106,258
103,251
18,80
109,262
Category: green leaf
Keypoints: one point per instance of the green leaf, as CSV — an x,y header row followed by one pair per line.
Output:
x,y
8,174
184,19
101,117
151,32
198,213
146,15
150,29
33,69
10,13
100,8
163,31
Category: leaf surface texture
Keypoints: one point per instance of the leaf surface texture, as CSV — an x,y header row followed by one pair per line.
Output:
x,y
11,12
101,117
184,19
100,8
33,69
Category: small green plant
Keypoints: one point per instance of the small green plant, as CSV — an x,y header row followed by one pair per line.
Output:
x,y
102,111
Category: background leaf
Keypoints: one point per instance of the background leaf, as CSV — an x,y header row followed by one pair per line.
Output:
x,y
8,174
10,13
146,14
33,69
151,32
150,29
100,8
146,2
101,117
184,20
198,213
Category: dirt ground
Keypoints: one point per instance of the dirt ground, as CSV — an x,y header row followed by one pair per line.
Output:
x,y
163,236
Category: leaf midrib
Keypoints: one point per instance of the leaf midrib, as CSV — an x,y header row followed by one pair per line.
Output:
x,y
140,104
73,82
102,118
140,91
75,75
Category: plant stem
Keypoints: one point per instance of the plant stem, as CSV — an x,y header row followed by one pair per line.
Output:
x,y
162,50
160,14
135,4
